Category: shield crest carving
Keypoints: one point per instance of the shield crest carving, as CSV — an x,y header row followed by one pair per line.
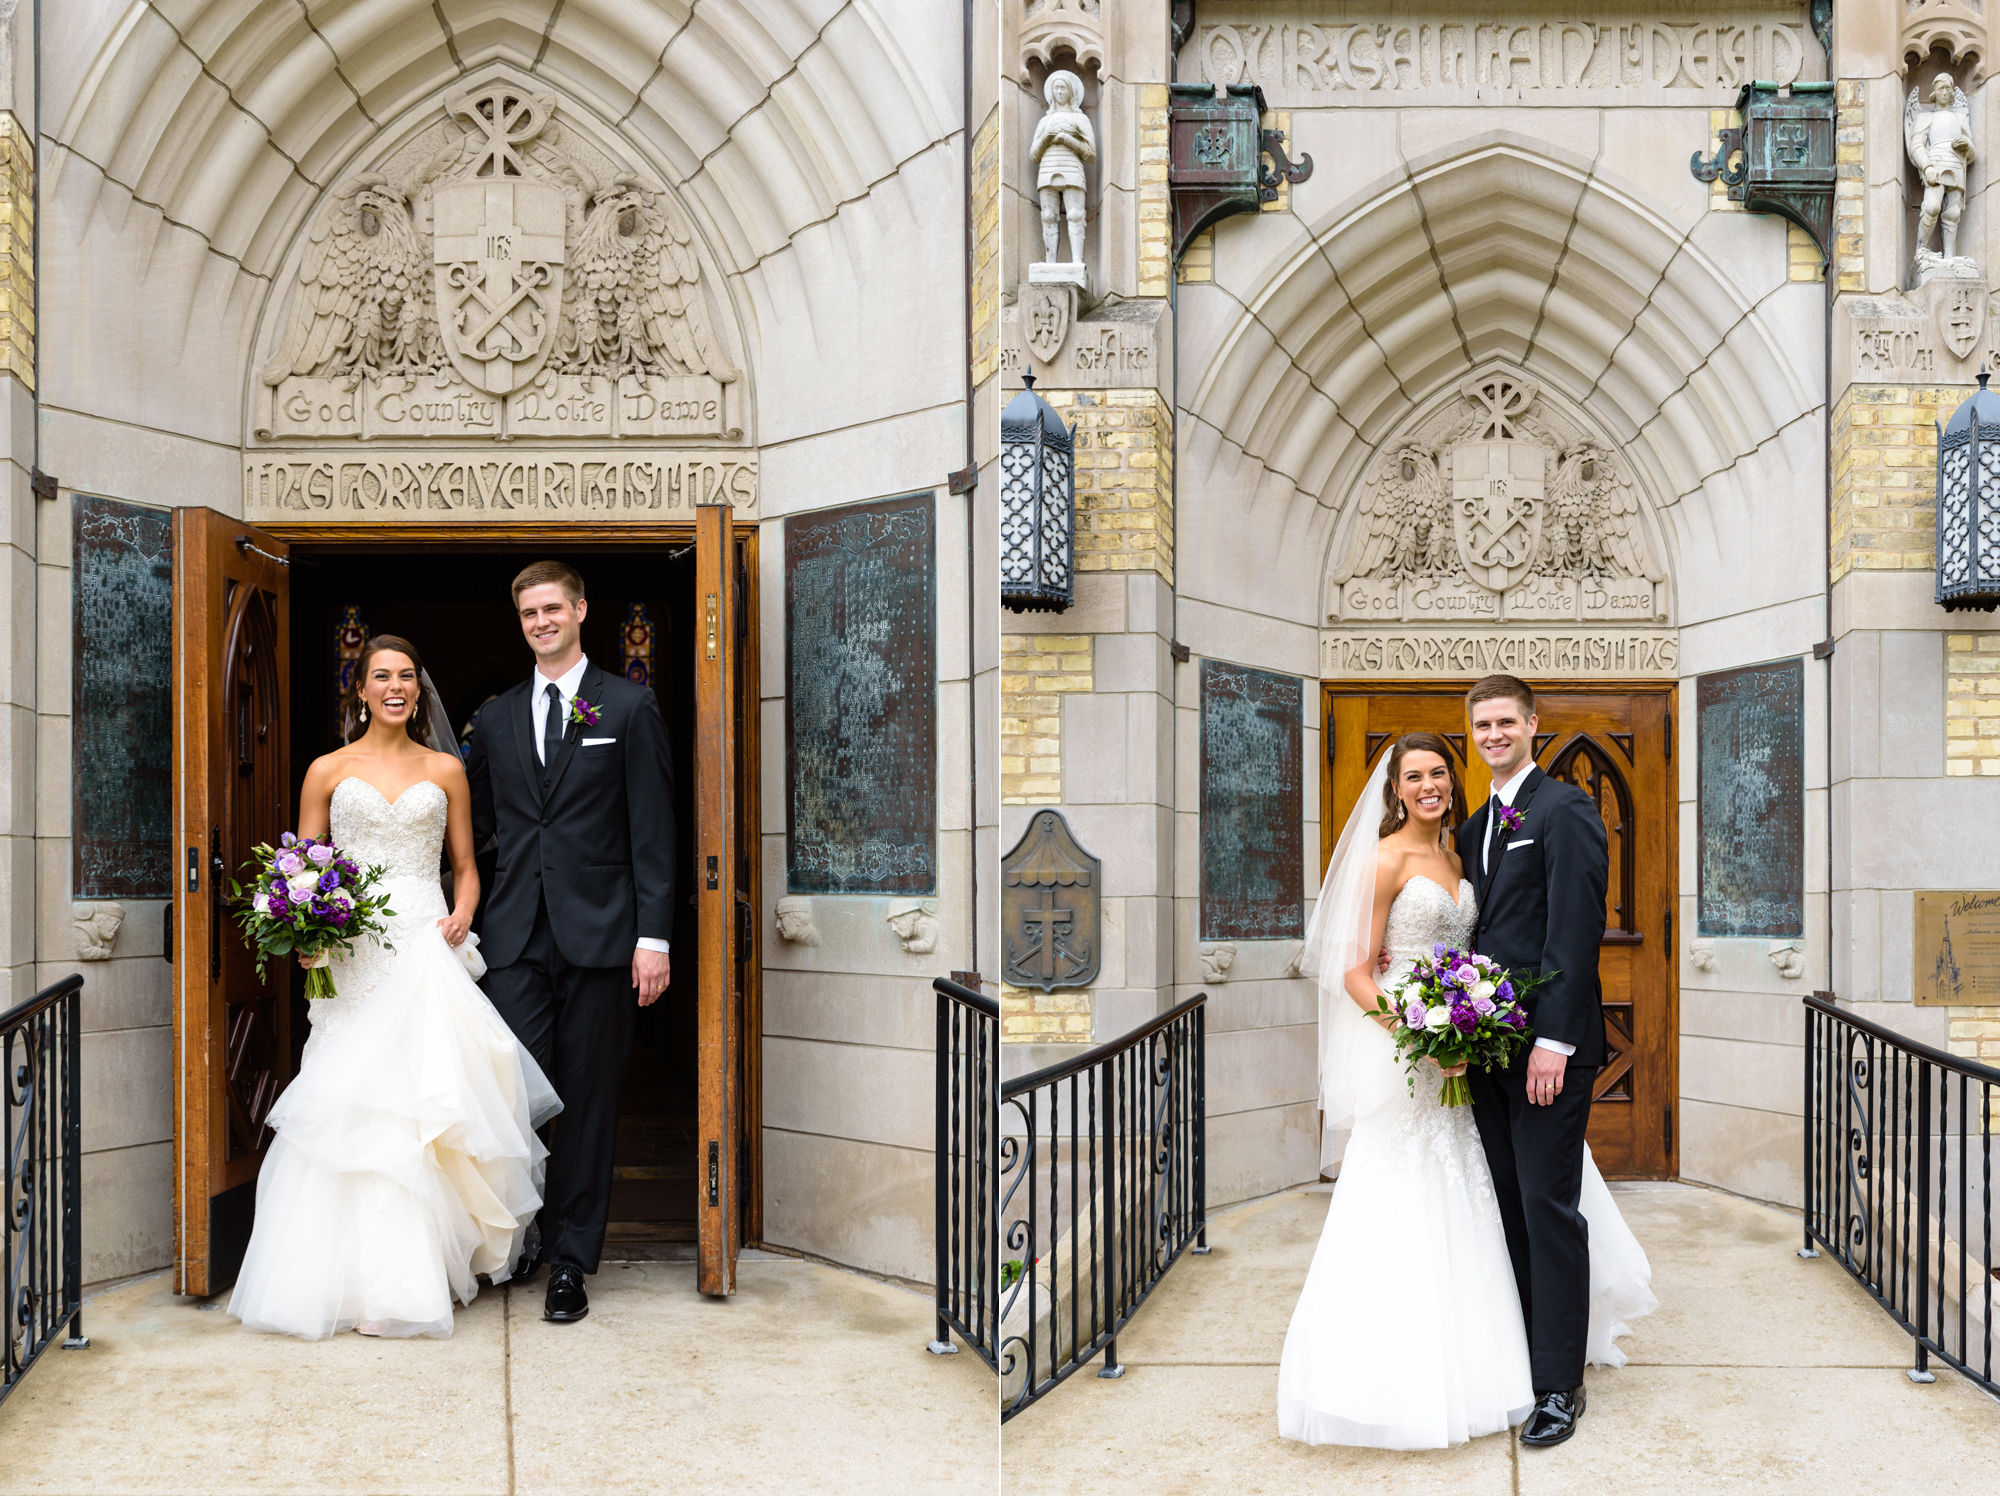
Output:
x,y
1496,508
499,277
1962,316
1045,310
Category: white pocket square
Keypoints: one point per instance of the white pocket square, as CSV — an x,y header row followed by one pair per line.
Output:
x,y
594,742
1529,842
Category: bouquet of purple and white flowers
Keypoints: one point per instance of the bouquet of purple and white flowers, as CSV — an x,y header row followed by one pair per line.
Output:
x,y
307,899
1458,1008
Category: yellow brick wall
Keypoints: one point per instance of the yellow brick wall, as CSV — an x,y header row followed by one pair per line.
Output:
x,y
1198,264
17,261
1972,704
1156,234
1031,1016
1850,97
1885,475
1124,478
1036,671
986,250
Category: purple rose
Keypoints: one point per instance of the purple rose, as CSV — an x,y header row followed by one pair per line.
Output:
x,y
1465,974
1438,951
289,863
1483,1006
1413,1015
320,853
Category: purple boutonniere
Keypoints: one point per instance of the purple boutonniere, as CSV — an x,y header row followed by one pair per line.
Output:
x,y
583,712
1510,818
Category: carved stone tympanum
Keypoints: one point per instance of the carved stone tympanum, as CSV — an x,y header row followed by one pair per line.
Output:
x,y
499,278
1497,506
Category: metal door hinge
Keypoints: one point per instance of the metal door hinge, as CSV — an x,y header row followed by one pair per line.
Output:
x,y
1667,1115
167,931
714,620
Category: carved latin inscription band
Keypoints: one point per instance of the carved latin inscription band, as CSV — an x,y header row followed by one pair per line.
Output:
x,y
1467,62
1537,654
433,485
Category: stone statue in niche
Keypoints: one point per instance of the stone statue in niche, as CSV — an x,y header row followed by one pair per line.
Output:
x,y
1064,144
1938,135
916,925
1498,507
795,921
96,929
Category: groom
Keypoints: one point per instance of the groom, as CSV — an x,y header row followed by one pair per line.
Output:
x,y
571,770
1538,857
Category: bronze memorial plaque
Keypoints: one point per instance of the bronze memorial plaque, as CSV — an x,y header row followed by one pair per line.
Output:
x,y
1956,951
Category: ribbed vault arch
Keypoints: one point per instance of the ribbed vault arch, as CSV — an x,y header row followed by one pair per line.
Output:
x,y
1306,362
187,142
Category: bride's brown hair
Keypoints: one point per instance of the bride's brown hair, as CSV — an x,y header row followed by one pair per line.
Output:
x,y
1392,804
418,725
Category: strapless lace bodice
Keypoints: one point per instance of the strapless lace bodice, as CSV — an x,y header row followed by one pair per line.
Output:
x,y
406,835
405,838
1424,915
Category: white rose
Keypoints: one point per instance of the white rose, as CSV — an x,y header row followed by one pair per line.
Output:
x,y
303,884
1437,1018
1484,989
262,903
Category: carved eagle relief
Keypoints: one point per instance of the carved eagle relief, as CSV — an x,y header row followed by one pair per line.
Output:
x,y
1405,525
633,302
1590,523
364,303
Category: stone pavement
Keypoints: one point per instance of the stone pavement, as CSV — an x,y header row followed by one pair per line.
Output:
x,y
1760,1372
810,1380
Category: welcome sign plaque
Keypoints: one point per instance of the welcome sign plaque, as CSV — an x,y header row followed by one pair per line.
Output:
x,y
1956,952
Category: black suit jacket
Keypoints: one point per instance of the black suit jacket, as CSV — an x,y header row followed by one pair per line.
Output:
x,y
597,845
1541,908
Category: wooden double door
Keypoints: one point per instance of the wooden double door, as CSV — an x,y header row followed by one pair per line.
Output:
x,y
1615,743
234,1033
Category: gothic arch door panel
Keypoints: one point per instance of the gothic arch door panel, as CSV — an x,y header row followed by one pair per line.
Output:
x,y
721,1163
1613,742
232,1032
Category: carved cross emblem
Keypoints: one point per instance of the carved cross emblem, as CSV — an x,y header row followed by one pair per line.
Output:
x,y
508,119
1496,511
1051,904
1961,315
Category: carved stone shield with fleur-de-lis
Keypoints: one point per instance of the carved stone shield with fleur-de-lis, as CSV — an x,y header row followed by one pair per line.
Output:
x,y
1961,315
499,277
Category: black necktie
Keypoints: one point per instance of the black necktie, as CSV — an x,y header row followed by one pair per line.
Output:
x,y
552,730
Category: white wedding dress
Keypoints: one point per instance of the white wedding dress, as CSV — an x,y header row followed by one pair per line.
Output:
x,y
406,1160
1408,1333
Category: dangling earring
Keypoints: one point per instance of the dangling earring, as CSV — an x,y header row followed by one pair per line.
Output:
x,y
1402,812
364,714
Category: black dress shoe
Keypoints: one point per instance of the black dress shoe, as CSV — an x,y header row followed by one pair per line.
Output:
x,y
531,1253
1554,1419
566,1302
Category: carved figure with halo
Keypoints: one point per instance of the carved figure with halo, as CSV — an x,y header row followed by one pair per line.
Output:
x,y
1063,145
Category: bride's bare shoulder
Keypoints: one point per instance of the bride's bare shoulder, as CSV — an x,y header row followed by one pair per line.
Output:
x,y
445,769
328,770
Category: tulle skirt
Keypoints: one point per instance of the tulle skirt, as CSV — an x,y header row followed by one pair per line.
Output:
x,y
405,1162
1408,1333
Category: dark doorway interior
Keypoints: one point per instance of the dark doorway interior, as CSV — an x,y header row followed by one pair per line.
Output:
x,y
454,604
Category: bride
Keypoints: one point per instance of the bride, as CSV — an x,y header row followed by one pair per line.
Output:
x,y
1408,1333
406,1161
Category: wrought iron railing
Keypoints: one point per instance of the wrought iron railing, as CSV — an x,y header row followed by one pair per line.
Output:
x,y
1105,1186
968,1260
41,1236
1899,1181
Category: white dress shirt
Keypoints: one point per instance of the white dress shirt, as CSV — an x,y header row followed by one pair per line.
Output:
x,y
538,710
1505,793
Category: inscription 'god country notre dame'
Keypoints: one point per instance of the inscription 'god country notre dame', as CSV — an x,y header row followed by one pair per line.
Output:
x,y
1490,62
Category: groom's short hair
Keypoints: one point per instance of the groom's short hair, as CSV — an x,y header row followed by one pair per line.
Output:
x,y
1501,688
541,573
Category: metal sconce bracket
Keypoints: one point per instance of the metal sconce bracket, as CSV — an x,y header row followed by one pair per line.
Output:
x,y
1216,150
1780,159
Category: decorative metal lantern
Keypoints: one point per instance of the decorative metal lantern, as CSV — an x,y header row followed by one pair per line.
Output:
x,y
1037,506
1968,504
